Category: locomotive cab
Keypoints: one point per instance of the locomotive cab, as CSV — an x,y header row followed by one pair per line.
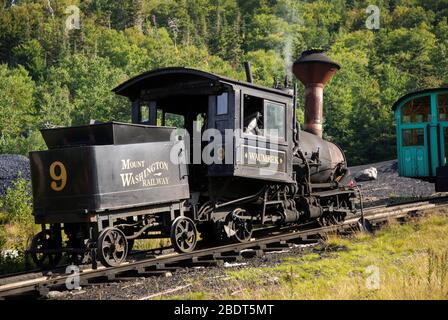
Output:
x,y
234,129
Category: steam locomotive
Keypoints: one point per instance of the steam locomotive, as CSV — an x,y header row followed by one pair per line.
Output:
x,y
101,186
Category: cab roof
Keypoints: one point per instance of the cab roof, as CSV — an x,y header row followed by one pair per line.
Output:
x,y
165,77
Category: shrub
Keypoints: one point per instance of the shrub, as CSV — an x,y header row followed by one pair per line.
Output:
x,y
17,203
21,144
16,225
2,237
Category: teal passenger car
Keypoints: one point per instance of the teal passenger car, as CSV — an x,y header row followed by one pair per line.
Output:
x,y
422,134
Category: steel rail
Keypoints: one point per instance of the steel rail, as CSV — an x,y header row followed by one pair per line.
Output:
x,y
42,282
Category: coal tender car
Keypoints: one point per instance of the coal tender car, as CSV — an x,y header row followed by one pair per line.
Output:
x,y
99,187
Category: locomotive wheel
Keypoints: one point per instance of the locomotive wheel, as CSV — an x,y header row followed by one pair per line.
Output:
x,y
42,242
183,234
112,247
239,227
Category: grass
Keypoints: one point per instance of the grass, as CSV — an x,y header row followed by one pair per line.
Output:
x,y
16,238
16,226
400,262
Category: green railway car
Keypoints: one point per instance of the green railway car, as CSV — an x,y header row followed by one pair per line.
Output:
x,y
422,135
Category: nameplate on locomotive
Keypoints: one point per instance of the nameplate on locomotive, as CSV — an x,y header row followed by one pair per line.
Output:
x,y
141,173
263,158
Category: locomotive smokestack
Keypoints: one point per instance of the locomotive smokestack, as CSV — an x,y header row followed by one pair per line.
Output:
x,y
248,72
314,69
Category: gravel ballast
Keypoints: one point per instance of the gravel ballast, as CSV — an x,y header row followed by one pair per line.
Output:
x,y
390,186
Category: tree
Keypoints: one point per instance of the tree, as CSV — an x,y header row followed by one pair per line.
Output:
x,y
409,50
267,67
267,32
89,81
16,100
30,54
56,77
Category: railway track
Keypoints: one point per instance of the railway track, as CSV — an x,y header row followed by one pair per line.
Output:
x,y
38,283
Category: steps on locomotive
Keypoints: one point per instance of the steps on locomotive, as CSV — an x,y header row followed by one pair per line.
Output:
x,y
108,166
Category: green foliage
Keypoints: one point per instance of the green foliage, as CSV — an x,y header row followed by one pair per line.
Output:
x,y
31,55
266,66
53,77
17,203
89,81
21,144
267,32
16,226
16,99
2,237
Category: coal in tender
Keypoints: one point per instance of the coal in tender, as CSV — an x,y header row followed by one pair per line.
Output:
x,y
12,167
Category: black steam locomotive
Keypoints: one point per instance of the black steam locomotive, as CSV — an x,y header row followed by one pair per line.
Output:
x,y
100,187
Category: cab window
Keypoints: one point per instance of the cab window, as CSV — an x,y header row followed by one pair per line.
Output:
x,y
253,123
264,117
275,119
144,113
222,103
174,120
147,113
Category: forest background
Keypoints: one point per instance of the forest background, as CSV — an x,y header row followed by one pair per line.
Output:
x,y
53,73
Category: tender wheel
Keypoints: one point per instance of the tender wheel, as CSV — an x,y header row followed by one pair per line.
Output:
x,y
45,251
183,234
112,247
239,226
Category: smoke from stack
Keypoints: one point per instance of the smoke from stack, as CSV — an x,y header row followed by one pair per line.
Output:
x,y
314,69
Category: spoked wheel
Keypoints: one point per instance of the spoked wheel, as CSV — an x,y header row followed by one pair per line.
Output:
x,y
112,247
183,234
239,226
45,251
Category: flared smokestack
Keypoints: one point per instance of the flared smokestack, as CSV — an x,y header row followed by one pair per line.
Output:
x,y
314,69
